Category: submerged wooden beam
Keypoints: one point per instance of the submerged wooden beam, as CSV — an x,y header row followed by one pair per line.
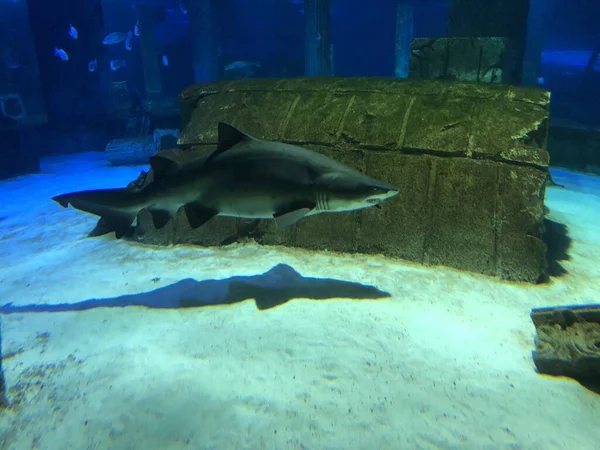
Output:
x,y
317,38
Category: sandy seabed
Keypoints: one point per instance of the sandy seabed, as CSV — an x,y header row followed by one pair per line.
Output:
x,y
444,362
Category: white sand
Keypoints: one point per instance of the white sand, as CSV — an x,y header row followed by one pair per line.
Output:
x,y
445,363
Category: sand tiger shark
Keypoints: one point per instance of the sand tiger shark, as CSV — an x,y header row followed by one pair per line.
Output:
x,y
244,177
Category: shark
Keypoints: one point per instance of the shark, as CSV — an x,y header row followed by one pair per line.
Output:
x,y
244,177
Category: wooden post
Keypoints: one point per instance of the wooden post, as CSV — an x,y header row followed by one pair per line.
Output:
x,y
203,34
404,36
150,56
317,38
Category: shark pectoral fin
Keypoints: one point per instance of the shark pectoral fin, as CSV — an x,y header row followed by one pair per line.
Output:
x,y
291,217
197,214
160,217
162,166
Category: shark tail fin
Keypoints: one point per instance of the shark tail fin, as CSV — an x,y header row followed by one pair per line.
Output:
x,y
117,208
62,200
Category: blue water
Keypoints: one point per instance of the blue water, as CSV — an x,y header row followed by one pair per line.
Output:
x,y
113,344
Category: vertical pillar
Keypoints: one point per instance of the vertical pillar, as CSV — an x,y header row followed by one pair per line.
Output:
x,y
404,36
3,399
317,38
536,33
492,18
19,62
203,34
332,59
150,56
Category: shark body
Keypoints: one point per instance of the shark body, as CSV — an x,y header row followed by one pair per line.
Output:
x,y
244,177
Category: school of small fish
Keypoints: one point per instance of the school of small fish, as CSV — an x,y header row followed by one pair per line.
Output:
x,y
113,38
127,38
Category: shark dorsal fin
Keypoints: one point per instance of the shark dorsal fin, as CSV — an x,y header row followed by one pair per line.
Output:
x,y
161,165
228,137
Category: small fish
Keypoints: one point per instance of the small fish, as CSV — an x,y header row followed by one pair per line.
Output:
x,y
541,81
73,32
182,8
116,65
237,65
61,54
128,45
115,37
92,65
165,60
136,28
11,64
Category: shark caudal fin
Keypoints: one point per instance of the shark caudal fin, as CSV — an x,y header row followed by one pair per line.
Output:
x,y
117,208
62,200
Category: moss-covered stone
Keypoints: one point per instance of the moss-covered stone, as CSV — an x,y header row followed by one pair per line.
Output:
x,y
470,160
481,59
568,342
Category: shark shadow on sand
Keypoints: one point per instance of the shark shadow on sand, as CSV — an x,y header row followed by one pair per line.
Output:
x,y
270,289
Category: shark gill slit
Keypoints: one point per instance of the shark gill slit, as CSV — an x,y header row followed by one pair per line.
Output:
x,y
321,201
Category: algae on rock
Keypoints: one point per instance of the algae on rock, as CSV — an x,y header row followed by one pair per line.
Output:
x,y
470,160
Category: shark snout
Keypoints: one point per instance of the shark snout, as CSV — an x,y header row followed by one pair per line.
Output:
x,y
380,193
383,191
